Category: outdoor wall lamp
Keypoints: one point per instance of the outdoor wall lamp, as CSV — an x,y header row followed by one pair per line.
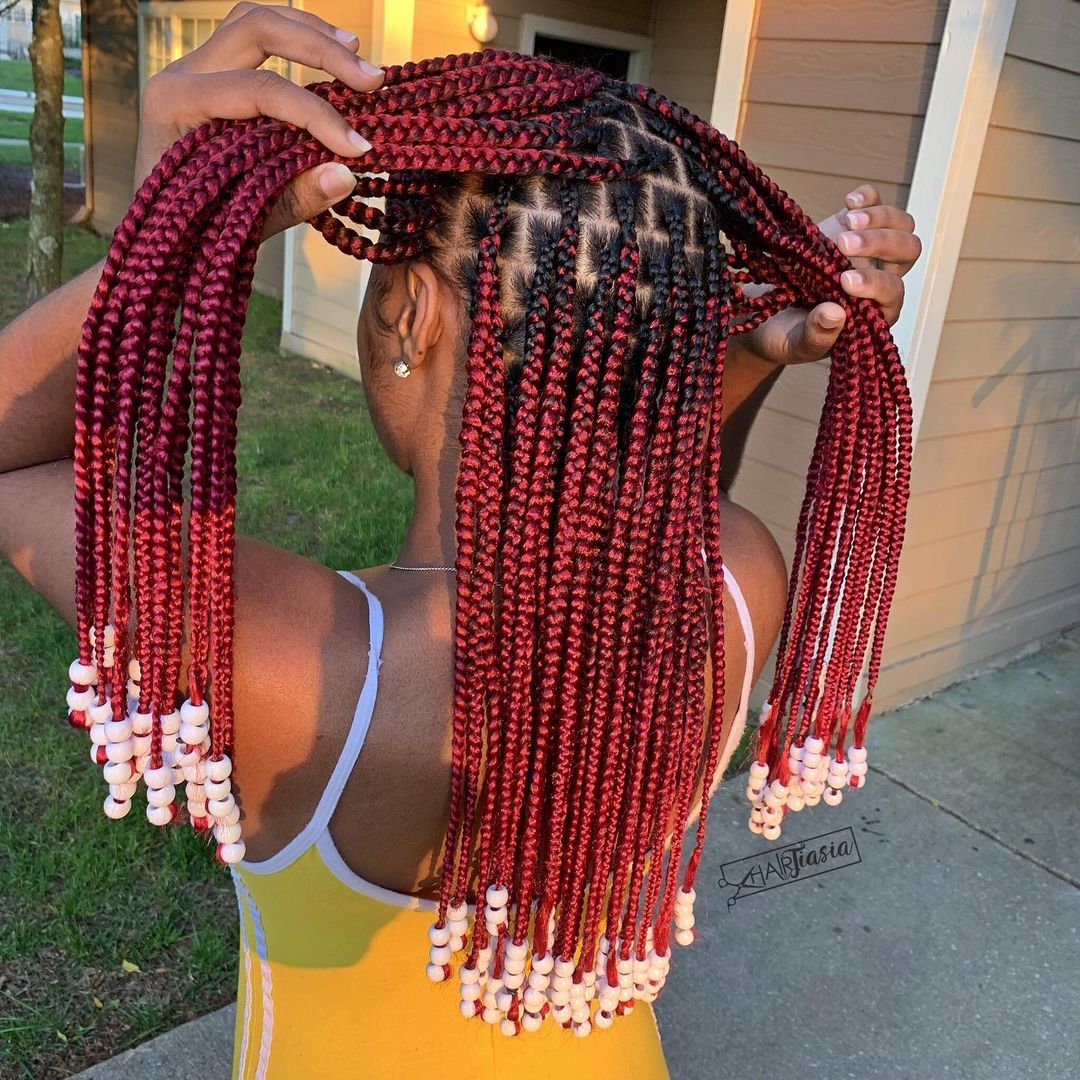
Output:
x,y
482,23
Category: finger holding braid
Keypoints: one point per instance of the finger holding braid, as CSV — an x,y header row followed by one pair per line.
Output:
x,y
587,220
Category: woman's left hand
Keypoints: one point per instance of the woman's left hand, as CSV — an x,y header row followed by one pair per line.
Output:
x,y
881,243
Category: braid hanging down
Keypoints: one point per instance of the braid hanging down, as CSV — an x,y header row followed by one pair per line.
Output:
x,y
604,236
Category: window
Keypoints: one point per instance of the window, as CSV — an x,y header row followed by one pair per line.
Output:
x,y
623,56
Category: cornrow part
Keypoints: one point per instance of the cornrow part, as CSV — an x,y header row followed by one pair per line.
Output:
x,y
603,238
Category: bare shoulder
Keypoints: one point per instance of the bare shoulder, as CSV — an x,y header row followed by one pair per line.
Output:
x,y
751,551
301,647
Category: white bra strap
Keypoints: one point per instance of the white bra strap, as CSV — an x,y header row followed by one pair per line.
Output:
x,y
358,730
748,639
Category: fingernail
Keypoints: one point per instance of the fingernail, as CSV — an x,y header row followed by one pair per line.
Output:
x,y
358,140
369,68
854,198
346,37
830,320
336,180
850,241
851,279
857,219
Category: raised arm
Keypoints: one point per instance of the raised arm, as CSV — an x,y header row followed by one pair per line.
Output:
x,y
881,243
38,349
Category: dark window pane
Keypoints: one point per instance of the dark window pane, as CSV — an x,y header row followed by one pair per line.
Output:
x,y
614,62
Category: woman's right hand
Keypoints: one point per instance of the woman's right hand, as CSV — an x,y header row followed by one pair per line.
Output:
x,y
222,79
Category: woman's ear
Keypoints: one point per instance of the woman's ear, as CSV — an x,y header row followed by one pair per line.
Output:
x,y
422,322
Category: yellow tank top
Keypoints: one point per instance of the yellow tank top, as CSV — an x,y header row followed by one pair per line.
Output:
x,y
332,983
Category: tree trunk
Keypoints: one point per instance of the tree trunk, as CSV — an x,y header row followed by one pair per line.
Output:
x,y
46,241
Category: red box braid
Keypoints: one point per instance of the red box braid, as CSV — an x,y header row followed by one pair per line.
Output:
x,y
585,219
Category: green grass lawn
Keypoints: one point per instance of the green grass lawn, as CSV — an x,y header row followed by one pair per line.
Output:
x,y
111,932
16,75
15,125
20,155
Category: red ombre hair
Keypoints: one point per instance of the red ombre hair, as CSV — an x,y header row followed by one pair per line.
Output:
x,y
586,220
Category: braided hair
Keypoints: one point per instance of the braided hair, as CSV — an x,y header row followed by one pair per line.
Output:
x,y
603,237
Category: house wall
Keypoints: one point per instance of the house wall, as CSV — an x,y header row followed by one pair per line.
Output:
x,y
111,86
835,94
992,561
686,47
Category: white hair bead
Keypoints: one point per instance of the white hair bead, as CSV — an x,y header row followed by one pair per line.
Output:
x,y
772,815
468,974
439,935
756,826
471,991
814,799
608,999
543,963
97,735
134,670
118,730
685,896
142,745
530,1021
232,817
468,1009
220,808
99,713
142,723
118,772
836,781
230,854
163,796
491,1016
796,802
122,792
159,815
116,808
561,1014
771,831
190,713
683,922
79,700
435,972
110,635
513,966
226,834
514,979
220,768
833,796
810,760
856,754
814,745
558,996
82,674
508,1027
458,912
504,999
438,954
121,751
603,1018
497,896
684,937
217,789
857,768
192,734
170,723
533,999
159,777
516,950
759,771
580,1013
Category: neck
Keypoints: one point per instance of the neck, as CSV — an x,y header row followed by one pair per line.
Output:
x,y
430,539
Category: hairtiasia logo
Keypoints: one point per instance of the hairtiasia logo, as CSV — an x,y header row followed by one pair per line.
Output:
x,y
782,865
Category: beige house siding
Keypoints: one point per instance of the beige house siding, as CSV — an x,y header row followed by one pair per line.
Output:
x,y
835,95
686,47
992,562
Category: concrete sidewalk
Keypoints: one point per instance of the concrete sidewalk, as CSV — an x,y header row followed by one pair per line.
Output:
x,y
950,951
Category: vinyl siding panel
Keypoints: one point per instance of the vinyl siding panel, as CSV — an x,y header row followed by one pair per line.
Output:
x,y
686,49
836,94
992,564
